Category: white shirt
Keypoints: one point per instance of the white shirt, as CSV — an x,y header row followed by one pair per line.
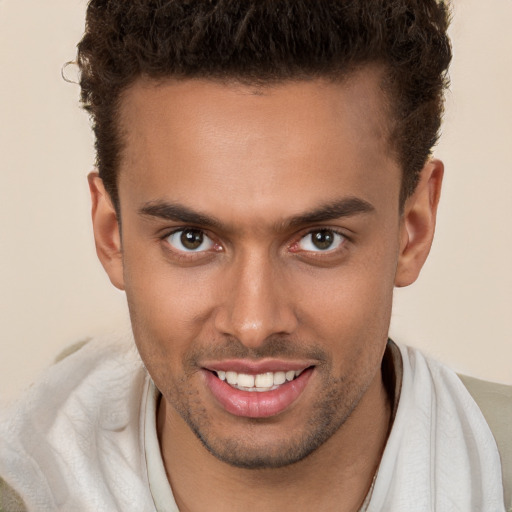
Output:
x,y
84,439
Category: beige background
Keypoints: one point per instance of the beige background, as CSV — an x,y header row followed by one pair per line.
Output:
x,y
53,291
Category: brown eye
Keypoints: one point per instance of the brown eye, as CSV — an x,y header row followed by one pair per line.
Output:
x,y
321,240
190,240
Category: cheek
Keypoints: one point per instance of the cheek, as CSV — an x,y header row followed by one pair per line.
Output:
x,y
167,307
349,308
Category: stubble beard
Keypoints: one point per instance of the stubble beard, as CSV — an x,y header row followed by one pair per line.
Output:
x,y
327,416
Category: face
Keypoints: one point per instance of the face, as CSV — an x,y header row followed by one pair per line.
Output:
x,y
260,241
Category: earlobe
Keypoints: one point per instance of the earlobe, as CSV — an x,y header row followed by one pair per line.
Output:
x,y
106,231
418,223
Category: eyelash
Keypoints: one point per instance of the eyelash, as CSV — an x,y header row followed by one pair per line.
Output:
x,y
191,255
320,253
188,255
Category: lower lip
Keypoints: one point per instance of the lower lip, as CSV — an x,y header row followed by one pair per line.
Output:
x,y
257,404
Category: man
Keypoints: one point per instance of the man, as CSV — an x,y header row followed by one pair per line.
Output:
x,y
264,181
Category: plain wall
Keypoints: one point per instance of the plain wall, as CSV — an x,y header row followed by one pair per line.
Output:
x,y
53,291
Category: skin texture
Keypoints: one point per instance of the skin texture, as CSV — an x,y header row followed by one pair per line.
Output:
x,y
254,163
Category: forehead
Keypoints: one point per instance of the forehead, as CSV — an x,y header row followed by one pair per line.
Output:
x,y
194,138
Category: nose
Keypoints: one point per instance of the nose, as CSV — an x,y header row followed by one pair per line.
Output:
x,y
256,304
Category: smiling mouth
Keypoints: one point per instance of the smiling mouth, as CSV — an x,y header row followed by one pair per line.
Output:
x,y
257,395
260,382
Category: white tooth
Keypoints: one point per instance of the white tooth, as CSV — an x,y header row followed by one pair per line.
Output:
x,y
264,380
245,381
290,375
279,378
221,375
298,372
232,378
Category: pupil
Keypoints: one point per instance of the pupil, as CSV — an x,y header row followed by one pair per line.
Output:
x,y
323,239
191,238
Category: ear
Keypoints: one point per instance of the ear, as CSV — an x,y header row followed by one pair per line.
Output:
x,y
418,223
106,231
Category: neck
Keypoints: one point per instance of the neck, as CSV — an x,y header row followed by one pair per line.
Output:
x,y
337,476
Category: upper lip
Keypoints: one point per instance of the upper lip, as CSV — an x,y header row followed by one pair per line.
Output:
x,y
256,367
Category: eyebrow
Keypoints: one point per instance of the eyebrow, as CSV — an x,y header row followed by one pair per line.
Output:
x,y
345,207
178,213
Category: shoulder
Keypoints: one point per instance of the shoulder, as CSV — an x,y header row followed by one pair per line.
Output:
x,y
90,375
79,422
495,402
466,397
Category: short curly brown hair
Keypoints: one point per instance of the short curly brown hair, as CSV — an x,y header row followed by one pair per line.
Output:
x,y
262,41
